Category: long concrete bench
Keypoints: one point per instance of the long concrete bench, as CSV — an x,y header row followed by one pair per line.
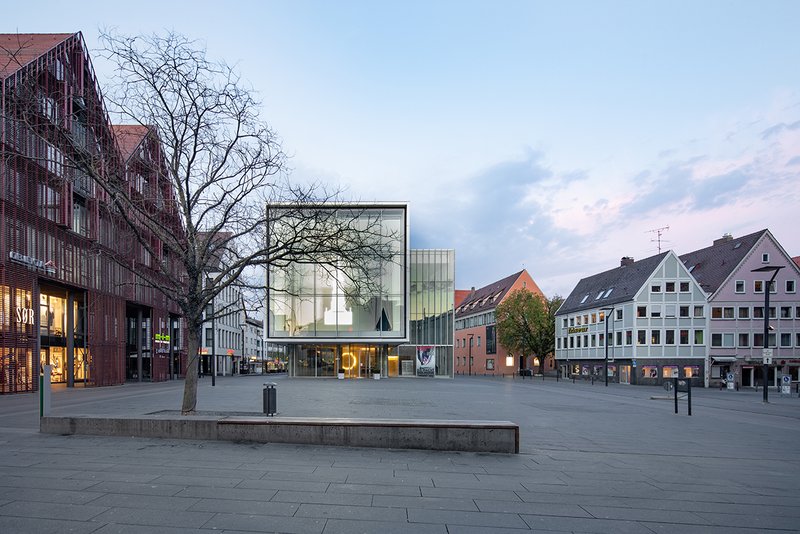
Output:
x,y
429,434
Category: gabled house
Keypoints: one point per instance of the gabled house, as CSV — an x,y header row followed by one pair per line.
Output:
x,y
727,273
652,312
477,350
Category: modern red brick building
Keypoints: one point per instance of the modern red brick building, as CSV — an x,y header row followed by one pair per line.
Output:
x,y
72,293
476,348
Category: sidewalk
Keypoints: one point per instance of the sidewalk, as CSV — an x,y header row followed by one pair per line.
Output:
x,y
593,459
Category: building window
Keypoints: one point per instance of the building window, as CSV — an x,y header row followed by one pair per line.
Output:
x,y
572,321
786,340
765,257
698,337
594,339
716,340
594,318
797,339
509,361
578,321
691,371
683,311
739,286
641,337
558,343
572,342
758,286
744,312
727,312
716,312
744,340
684,337
758,312
669,287
655,337
649,371
490,364
786,312
564,323
586,319
655,310
641,311
684,286
758,340
619,314
790,286
491,339
479,341
579,342
727,340
669,310
209,337
629,337
655,288
669,337
698,311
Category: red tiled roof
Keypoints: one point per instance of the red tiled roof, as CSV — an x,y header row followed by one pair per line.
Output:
x,y
129,137
796,259
488,297
19,49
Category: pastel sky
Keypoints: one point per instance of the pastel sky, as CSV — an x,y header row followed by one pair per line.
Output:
x,y
546,135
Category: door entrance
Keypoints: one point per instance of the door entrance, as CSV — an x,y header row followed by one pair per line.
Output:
x,y
624,374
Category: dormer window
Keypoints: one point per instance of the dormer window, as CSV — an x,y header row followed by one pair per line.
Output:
x,y
584,298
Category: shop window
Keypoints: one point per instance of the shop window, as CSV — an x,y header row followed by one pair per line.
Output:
x,y
669,371
691,371
509,361
649,371
490,364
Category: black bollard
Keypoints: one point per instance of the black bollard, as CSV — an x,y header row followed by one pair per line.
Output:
x,y
689,394
675,391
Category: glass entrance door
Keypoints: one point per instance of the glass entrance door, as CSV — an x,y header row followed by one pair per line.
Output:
x,y
625,374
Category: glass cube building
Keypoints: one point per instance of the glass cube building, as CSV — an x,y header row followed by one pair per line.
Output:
x,y
399,323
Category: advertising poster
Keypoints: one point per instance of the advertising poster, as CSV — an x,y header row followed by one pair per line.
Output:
x,y
426,361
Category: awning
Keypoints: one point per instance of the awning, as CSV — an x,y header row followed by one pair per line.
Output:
x,y
724,359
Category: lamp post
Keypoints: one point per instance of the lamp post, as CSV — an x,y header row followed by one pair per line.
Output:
x,y
765,369
607,311
470,353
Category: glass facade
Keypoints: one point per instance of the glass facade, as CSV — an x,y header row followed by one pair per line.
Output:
x,y
325,299
431,309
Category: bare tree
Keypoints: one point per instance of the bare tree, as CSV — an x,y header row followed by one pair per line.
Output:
x,y
223,167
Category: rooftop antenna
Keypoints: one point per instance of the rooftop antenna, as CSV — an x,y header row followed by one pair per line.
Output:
x,y
659,232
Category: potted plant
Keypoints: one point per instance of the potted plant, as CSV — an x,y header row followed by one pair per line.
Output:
x,y
341,374
376,373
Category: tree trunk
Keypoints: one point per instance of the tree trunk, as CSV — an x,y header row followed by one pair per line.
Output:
x,y
190,383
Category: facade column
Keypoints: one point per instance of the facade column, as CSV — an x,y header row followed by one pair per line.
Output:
x,y
138,330
70,339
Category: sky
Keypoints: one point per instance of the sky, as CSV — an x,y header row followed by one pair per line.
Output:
x,y
551,136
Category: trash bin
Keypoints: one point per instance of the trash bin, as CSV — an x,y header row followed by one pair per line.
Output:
x,y
270,398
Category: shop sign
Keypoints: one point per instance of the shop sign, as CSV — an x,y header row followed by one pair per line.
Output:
x,y
162,339
578,329
40,265
25,315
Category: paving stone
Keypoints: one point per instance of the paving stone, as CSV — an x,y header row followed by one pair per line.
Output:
x,y
430,503
331,497
484,519
260,523
372,513
342,526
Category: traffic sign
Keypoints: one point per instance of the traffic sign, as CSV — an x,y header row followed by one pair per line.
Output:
x,y
766,355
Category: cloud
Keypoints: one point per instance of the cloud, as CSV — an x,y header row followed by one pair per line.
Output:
x,y
778,128
794,161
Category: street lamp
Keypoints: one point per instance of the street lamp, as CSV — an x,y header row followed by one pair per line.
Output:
x,y
607,311
765,369
470,353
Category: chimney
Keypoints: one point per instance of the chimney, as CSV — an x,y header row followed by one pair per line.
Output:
x,y
724,239
626,261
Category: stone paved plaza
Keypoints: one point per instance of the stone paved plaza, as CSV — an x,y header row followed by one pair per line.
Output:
x,y
593,459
